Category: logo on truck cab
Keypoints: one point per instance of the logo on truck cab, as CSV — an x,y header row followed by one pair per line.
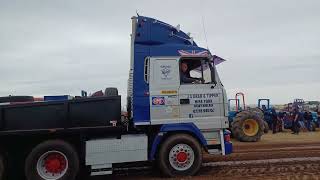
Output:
x,y
158,101
166,72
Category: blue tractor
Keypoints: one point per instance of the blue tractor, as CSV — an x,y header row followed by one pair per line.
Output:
x,y
269,112
265,107
245,124
301,104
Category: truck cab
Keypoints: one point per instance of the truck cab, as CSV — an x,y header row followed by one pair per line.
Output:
x,y
174,86
160,91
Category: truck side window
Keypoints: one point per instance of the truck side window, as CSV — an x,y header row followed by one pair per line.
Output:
x,y
195,74
196,71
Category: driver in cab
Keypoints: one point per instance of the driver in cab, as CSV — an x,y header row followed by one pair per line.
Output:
x,y
185,76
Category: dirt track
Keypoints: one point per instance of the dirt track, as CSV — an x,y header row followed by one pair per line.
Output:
x,y
271,146
281,170
276,156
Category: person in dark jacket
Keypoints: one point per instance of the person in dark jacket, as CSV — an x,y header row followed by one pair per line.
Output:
x,y
274,120
295,124
308,119
281,116
184,75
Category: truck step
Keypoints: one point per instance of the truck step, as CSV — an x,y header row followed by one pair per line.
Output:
x,y
102,169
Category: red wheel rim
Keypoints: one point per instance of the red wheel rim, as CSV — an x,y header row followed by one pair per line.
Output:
x,y
52,165
55,163
182,157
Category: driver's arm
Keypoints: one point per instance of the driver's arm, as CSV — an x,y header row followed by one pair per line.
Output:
x,y
185,79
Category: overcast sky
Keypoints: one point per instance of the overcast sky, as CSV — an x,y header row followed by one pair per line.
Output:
x,y
61,47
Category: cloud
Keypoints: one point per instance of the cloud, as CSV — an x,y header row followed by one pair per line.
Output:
x,y
61,47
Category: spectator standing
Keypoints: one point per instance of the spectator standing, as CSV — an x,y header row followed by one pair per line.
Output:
x,y
274,120
308,119
297,117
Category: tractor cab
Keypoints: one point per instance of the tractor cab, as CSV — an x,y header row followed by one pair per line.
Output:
x,y
264,105
237,106
299,104
232,110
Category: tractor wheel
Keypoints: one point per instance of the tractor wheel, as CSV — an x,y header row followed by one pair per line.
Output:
x,y
180,155
258,112
266,127
247,127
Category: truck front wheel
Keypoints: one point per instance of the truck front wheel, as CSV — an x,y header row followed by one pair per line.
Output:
x,y
180,155
52,160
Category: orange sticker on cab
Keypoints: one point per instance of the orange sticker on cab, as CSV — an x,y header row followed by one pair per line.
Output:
x,y
169,92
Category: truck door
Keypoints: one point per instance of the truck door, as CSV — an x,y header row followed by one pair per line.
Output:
x,y
164,85
200,96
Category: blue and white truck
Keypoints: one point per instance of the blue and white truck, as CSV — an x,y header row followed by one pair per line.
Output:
x,y
177,109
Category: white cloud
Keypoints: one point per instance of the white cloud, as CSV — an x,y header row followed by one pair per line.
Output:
x,y
61,47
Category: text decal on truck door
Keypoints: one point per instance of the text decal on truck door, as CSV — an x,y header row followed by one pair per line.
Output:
x,y
202,103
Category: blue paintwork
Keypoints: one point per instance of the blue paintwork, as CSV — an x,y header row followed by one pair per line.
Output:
x,y
232,114
227,145
315,118
153,38
56,98
141,112
186,127
228,148
154,147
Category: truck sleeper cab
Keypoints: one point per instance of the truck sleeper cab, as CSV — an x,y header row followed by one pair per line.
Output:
x,y
176,109
158,97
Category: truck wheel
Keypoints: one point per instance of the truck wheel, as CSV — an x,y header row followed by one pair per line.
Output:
x,y
111,91
266,127
247,127
180,155
52,160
